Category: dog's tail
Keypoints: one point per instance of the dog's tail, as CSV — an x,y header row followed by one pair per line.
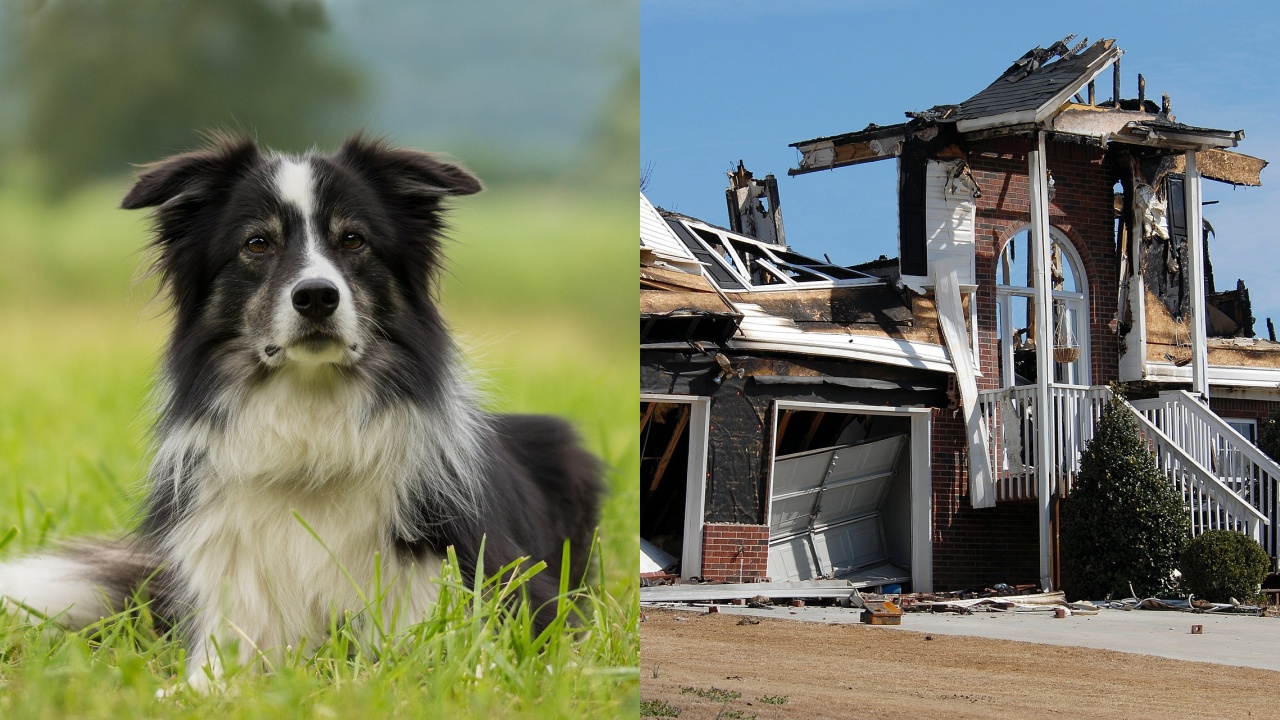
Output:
x,y
77,585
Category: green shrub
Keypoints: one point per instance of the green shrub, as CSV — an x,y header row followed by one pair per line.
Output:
x,y
1222,564
1123,523
1269,438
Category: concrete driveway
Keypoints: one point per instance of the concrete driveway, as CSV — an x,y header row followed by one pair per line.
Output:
x,y
1239,640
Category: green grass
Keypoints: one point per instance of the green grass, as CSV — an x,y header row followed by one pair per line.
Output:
x,y
658,708
542,294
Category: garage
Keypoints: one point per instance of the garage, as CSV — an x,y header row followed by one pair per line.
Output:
x,y
848,495
673,450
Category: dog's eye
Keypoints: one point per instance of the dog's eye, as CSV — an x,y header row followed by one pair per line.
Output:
x,y
257,244
352,241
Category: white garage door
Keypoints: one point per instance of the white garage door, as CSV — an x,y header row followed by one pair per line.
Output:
x,y
825,517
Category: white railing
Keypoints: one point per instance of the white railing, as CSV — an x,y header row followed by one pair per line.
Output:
x,y
1213,501
1009,414
1010,418
1238,463
1213,505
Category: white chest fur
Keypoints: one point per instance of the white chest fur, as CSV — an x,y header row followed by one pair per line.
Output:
x,y
293,509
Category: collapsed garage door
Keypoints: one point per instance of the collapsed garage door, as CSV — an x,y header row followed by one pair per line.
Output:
x,y
827,516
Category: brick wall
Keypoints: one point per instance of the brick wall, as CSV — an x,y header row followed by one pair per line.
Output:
x,y
735,553
1258,410
975,548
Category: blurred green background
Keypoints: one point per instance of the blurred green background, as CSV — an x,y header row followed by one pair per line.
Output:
x,y
541,100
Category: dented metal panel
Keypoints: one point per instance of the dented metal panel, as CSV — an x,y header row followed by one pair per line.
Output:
x,y
848,546
824,511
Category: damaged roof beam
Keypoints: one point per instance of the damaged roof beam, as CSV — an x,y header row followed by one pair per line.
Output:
x,y
870,145
1115,84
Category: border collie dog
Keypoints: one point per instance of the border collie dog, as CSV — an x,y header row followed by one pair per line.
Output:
x,y
317,435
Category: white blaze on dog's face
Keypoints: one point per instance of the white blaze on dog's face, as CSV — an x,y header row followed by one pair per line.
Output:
x,y
313,317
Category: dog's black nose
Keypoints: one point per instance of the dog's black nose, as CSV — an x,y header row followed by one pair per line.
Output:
x,y
316,298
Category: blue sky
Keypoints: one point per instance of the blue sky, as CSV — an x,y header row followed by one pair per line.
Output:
x,y
723,81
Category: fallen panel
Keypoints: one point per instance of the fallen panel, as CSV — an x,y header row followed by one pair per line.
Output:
x,y
886,574
816,589
654,559
1042,602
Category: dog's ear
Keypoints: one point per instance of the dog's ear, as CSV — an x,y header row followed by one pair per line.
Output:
x,y
413,173
201,170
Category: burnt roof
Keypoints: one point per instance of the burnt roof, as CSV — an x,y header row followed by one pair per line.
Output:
x,y
1034,80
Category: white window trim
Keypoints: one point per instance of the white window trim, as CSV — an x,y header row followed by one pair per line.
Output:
x,y
1251,422
1006,293
737,268
695,496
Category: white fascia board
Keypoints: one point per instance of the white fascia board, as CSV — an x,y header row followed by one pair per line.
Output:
x,y
1019,117
888,351
1102,124
1196,141
1218,375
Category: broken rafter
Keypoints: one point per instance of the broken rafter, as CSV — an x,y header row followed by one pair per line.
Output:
x,y
813,428
1228,167
648,413
671,447
869,145
782,429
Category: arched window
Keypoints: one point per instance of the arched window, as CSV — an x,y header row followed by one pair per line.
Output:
x,y
1016,316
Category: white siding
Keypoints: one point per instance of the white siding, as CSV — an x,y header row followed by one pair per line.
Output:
x,y
949,217
657,236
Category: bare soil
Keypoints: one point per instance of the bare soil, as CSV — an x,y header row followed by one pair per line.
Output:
x,y
710,666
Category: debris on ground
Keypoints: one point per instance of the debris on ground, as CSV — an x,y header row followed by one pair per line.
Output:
x,y
882,608
1192,605
881,612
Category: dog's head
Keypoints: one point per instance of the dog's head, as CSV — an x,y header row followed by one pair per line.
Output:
x,y
279,261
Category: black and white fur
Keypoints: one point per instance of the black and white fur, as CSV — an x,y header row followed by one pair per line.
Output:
x,y
310,372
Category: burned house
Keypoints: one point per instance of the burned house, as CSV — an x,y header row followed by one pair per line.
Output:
x,y
916,419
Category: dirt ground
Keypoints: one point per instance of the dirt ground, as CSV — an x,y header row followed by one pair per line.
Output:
x,y
710,666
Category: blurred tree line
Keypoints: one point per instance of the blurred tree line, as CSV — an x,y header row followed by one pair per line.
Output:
x,y
98,84
88,87
616,155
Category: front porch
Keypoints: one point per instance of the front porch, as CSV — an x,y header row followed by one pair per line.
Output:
x,y
1226,482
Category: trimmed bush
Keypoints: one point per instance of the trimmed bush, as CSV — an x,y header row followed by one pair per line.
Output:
x,y
1269,438
1222,564
1124,522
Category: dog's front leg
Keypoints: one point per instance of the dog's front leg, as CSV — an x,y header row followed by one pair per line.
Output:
x,y
204,666
221,636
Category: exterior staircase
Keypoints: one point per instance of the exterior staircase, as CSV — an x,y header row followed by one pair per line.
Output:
x,y
1226,481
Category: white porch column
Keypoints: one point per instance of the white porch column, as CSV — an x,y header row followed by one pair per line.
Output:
x,y
1040,253
1195,239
